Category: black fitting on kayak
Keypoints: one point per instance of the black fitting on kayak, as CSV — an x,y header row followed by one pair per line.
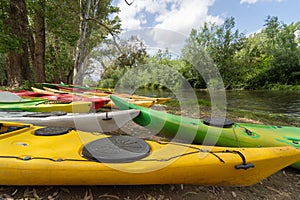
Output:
x,y
26,158
52,131
244,165
250,133
54,102
106,117
218,122
116,149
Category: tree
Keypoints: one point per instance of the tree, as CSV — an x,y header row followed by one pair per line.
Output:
x,y
281,44
219,43
117,55
40,41
61,40
95,25
17,59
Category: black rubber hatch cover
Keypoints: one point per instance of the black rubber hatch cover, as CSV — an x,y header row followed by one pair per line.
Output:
x,y
116,149
218,122
52,131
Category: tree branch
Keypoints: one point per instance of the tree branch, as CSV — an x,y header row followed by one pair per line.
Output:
x,y
129,4
108,29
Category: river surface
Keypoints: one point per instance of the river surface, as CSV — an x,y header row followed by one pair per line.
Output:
x,y
282,103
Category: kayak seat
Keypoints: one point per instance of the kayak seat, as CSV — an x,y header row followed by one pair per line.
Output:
x,y
52,131
218,122
9,129
13,128
116,149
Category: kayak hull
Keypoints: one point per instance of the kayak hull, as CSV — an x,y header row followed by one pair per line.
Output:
x,y
97,102
94,122
31,159
44,106
198,131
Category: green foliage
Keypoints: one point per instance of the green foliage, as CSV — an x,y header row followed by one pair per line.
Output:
x,y
62,19
59,61
214,47
214,56
261,60
117,57
8,41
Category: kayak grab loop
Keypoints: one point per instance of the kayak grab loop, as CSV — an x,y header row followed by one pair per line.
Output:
x,y
247,131
46,114
116,149
52,131
107,117
218,122
244,165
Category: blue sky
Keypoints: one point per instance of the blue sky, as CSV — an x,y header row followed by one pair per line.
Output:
x,y
165,24
183,15
250,17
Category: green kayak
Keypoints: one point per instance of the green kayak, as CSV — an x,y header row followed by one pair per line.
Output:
x,y
43,105
221,132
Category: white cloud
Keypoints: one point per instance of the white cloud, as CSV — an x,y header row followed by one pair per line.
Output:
x,y
255,1
248,1
175,15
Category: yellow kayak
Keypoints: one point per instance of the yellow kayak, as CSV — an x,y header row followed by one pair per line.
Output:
x,y
69,107
63,91
34,155
143,103
159,100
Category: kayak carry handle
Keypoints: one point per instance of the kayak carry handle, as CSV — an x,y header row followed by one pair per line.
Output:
x,y
106,117
244,165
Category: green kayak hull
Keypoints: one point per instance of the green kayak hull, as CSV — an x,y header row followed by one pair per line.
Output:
x,y
210,132
19,105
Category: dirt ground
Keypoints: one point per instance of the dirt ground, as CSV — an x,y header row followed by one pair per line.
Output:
x,y
284,185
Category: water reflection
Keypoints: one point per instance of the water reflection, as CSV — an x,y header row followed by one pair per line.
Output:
x,y
283,103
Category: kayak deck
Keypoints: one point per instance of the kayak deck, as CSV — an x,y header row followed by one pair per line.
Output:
x,y
216,131
33,155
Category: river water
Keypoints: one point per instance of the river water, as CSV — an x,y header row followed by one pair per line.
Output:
x,y
281,103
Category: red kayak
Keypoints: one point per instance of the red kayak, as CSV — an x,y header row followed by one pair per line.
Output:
x,y
98,102
25,93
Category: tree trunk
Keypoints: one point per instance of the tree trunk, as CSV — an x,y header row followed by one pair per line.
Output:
x,y
80,51
40,40
17,63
